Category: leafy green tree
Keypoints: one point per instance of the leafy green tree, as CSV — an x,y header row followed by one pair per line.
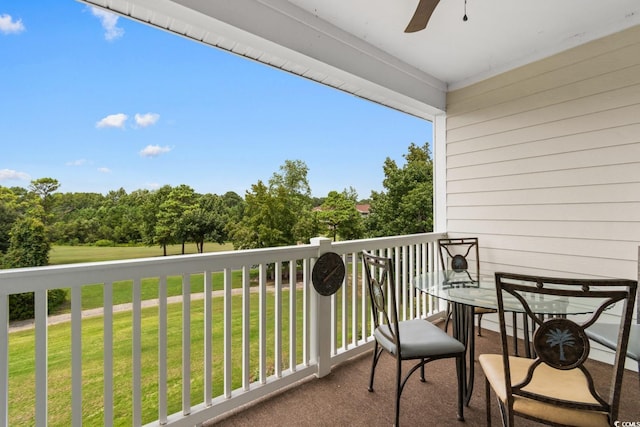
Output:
x,y
8,216
339,213
262,223
206,221
234,206
150,210
28,246
278,214
75,218
44,188
407,205
169,227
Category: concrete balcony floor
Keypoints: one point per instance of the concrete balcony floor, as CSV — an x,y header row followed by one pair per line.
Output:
x,y
342,399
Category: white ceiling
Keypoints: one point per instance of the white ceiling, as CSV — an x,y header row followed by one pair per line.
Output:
x,y
360,46
498,35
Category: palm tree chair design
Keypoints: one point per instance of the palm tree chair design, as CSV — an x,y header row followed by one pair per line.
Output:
x,y
556,387
414,339
455,256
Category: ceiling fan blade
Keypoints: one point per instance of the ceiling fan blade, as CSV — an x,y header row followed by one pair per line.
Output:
x,y
421,16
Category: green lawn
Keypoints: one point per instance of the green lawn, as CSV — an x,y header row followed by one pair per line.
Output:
x,y
22,363
92,295
75,254
22,350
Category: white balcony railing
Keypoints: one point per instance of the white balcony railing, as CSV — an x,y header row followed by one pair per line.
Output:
x,y
271,332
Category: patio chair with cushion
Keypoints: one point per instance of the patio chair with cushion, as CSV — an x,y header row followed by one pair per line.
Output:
x,y
556,387
414,339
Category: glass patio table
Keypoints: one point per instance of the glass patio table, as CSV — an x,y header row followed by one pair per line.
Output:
x,y
466,290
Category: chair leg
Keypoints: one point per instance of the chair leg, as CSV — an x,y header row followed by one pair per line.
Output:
x,y
374,362
398,389
422,379
487,401
461,380
480,324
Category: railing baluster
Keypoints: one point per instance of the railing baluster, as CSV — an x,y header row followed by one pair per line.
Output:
x,y
208,351
246,324
334,324
277,341
366,313
186,344
108,353
162,350
137,351
4,359
354,299
293,330
306,310
262,322
345,301
76,356
410,288
42,357
228,369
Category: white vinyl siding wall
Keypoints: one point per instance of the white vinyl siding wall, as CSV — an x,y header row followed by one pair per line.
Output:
x,y
543,163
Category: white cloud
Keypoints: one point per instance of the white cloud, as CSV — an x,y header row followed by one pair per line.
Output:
x,y
104,170
153,185
78,162
113,121
109,23
154,150
144,120
9,26
11,175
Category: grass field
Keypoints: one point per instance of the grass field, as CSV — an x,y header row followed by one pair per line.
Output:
x,y
22,347
22,362
75,254
92,295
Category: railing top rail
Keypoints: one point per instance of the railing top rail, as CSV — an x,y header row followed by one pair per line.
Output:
x,y
71,275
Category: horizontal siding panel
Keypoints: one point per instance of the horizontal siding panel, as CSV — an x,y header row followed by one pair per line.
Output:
x,y
541,169
605,193
554,87
598,139
601,212
609,119
595,249
579,55
560,265
593,175
583,106
629,231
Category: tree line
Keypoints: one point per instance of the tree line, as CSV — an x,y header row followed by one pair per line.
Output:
x,y
280,211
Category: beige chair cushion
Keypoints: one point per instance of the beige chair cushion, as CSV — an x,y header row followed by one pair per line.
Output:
x,y
567,385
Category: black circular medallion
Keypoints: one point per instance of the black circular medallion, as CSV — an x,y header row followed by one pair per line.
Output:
x,y
328,274
459,263
561,343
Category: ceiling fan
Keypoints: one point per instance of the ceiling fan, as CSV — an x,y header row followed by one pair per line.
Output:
x,y
423,13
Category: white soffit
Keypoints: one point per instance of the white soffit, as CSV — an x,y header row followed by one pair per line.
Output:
x,y
290,43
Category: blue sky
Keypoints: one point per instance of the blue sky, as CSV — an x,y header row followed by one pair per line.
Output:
x,y
100,102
